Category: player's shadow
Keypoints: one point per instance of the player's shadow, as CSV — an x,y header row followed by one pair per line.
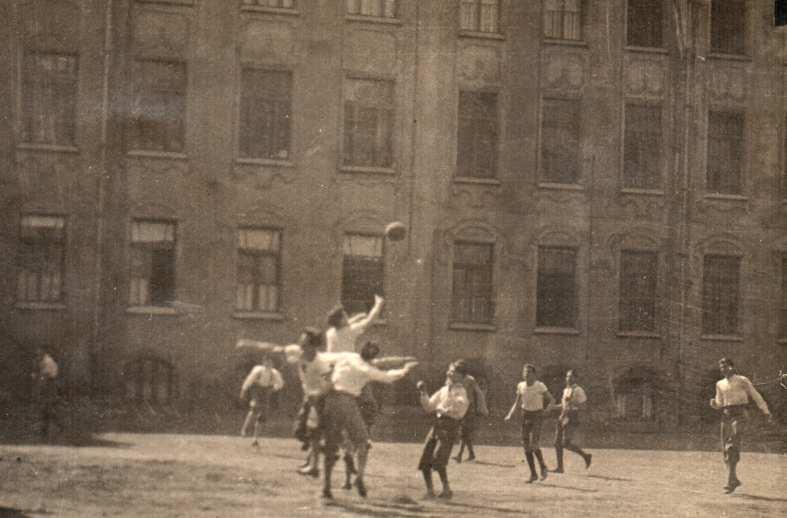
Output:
x,y
495,464
380,509
611,479
568,488
761,498
8,512
476,507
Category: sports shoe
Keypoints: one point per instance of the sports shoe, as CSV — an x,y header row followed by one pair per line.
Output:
x,y
327,495
544,474
471,458
255,444
309,472
588,460
730,487
556,470
458,460
359,485
446,494
532,479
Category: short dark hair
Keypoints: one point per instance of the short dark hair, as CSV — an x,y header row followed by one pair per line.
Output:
x,y
312,337
369,351
336,315
573,372
461,367
727,361
529,366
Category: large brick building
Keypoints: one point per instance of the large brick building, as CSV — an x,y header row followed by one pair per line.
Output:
x,y
586,183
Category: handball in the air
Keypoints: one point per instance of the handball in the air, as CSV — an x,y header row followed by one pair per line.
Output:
x,y
396,231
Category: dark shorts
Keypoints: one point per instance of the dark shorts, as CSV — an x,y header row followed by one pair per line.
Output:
x,y
342,414
531,429
469,425
733,423
260,401
301,429
564,431
439,442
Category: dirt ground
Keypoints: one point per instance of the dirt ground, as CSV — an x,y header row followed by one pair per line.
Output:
x,y
155,475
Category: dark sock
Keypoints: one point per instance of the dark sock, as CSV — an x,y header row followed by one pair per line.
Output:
x,y
470,452
540,458
427,473
443,476
531,462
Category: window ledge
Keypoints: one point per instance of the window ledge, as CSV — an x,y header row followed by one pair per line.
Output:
x,y
726,197
464,33
367,169
729,57
476,181
258,315
151,310
567,43
782,341
142,153
41,306
373,19
264,161
638,334
646,50
52,148
556,331
472,326
552,186
270,10
642,192
722,338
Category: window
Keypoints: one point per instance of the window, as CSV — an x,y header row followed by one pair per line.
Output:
x,y
152,263
563,19
49,98
720,294
149,379
728,26
560,141
477,153
634,401
259,270
281,4
638,277
642,149
376,8
473,289
557,298
645,23
783,333
41,259
363,271
725,152
368,123
479,15
784,161
158,108
265,114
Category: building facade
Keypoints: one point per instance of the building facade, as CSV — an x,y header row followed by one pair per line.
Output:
x,y
587,184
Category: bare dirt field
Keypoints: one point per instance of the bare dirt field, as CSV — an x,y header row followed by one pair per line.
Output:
x,y
154,475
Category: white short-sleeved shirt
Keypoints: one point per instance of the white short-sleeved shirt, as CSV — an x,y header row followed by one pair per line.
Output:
x,y
343,340
532,395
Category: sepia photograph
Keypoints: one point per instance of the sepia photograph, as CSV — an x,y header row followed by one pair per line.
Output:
x,y
393,258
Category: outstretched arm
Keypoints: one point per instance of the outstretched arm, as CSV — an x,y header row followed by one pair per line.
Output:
x,y
363,323
392,375
513,407
249,381
752,392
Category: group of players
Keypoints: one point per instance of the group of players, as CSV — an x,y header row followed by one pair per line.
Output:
x,y
339,407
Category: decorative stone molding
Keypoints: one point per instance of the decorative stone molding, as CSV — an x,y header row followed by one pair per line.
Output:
x,y
728,84
159,34
479,65
371,52
51,25
644,76
263,177
49,180
474,196
269,42
642,207
564,71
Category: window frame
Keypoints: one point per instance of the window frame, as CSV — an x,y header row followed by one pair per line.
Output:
x,y
392,130
24,114
621,299
241,157
498,135
279,256
658,186
663,19
704,324
382,9
136,64
491,245
782,320
542,178
575,325
727,112
132,245
476,30
746,44
29,242
383,267
562,38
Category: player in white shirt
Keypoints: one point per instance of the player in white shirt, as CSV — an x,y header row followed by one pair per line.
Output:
x,y
343,332
260,384
572,401
733,393
533,397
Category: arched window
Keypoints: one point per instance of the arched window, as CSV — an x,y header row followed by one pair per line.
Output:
x,y
150,379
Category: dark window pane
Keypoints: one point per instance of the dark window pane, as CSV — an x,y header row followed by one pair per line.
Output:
x,y
473,288
728,26
720,294
159,107
560,141
563,19
479,15
363,272
265,114
645,23
368,123
477,135
556,306
725,152
638,280
783,333
642,147
49,98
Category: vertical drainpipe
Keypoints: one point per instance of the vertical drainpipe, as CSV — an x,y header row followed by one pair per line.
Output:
x,y
97,279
